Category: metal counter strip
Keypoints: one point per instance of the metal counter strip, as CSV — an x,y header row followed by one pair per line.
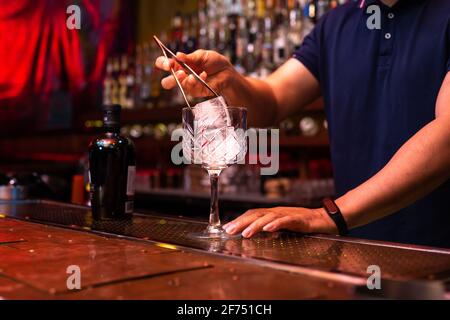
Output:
x,y
334,258
383,244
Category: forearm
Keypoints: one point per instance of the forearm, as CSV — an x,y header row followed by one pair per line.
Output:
x,y
284,93
420,166
254,94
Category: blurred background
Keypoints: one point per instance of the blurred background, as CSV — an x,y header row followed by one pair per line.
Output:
x,y
53,82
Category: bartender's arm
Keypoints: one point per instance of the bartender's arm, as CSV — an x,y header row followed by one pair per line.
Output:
x,y
284,93
420,166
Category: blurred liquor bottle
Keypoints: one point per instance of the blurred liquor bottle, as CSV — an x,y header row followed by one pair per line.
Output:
x,y
108,83
241,44
139,76
115,90
190,37
295,35
176,33
123,88
147,71
155,74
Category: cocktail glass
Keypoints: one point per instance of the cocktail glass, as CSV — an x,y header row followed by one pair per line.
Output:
x,y
215,138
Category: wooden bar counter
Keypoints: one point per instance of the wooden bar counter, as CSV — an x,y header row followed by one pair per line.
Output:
x,y
152,257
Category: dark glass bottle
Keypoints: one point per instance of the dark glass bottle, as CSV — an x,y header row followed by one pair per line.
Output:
x,y
112,170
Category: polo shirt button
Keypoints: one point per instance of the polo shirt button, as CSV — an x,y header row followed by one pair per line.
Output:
x,y
388,36
391,15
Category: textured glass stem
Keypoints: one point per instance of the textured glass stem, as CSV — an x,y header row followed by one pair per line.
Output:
x,y
214,219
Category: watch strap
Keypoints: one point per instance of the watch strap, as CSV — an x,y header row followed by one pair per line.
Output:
x,y
335,214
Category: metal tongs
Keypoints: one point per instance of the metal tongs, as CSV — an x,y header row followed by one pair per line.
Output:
x,y
166,51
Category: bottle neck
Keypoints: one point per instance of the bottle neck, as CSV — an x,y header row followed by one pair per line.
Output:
x,y
111,130
111,121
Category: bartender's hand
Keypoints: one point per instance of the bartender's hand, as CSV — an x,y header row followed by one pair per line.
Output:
x,y
210,65
282,218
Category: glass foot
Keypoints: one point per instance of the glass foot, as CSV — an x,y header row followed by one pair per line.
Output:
x,y
213,233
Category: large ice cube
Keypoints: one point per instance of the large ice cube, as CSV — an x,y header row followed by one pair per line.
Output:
x,y
215,102
191,147
214,146
212,113
232,145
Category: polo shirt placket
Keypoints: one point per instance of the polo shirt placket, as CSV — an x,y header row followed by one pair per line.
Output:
x,y
387,38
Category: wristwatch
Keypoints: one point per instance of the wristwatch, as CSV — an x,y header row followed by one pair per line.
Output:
x,y
335,214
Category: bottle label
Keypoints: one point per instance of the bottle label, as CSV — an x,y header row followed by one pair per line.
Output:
x,y
130,180
129,207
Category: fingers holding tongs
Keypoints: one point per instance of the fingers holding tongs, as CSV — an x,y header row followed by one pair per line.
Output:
x,y
161,45
166,51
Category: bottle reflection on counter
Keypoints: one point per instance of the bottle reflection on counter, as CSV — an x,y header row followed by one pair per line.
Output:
x,y
112,170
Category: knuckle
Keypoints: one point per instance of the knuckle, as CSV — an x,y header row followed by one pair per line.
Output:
x,y
206,54
202,56
307,227
260,214
277,211
284,221
261,222
199,53
278,214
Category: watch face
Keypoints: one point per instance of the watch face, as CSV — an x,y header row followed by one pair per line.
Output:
x,y
331,206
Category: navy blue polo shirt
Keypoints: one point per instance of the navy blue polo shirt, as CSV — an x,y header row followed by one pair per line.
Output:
x,y
380,88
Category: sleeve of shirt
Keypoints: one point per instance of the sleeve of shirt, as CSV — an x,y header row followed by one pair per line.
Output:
x,y
448,47
309,52
448,64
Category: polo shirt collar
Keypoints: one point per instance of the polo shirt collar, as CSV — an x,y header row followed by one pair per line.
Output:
x,y
363,4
